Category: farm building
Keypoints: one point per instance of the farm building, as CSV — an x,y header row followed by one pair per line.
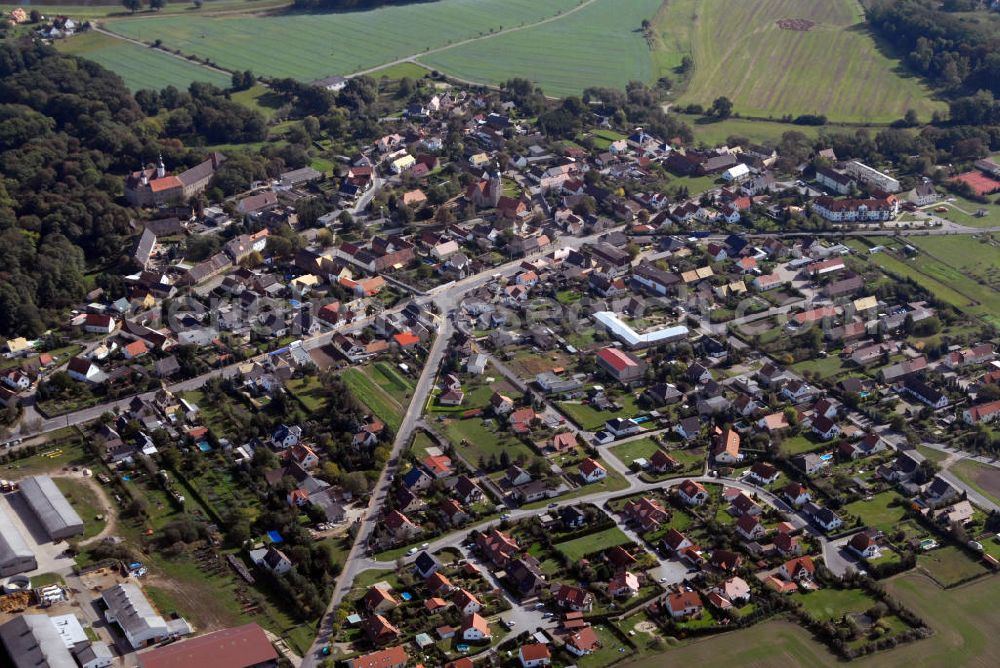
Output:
x,y
33,640
15,555
51,507
245,646
128,607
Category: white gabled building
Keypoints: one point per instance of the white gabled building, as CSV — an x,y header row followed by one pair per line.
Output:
x,y
855,210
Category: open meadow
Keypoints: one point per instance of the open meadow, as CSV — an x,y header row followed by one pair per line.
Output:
x,y
140,67
777,57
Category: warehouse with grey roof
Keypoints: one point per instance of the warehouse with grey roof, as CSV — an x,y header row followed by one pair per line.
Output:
x,y
32,640
50,506
15,555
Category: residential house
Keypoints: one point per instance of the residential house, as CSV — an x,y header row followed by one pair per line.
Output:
x,y
798,569
534,655
750,528
648,513
762,473
925,393
692,493
684,604
727,448
623,585
864,545
400,527
378,600
573,598
379,630
592,471
796,494
466,602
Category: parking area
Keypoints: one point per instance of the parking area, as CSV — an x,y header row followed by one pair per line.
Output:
x,y
50,556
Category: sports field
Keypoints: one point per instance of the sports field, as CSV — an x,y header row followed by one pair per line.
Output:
x,y
599,45
822,62
140,67
312,46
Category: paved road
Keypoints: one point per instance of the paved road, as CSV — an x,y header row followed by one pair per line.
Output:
x,y
381,489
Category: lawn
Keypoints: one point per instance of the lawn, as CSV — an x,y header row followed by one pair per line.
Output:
x,y
308,46
713,131
795,445
476,439
64,448
948,565
823,367
642,448
309,391
962,211
611,650
877,513
140,67
591,419
600,45
825,604
368,392
835,68
935,456
260,98
983,478
596,542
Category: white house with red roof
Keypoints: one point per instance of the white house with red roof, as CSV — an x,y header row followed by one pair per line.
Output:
x,y
692,493
592,471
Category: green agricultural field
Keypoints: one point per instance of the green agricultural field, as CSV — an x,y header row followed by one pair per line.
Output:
x,y
910,269
983,478
109,8
140,67
310,46
955,265
599,45
964,621
834,68
377,399
596,542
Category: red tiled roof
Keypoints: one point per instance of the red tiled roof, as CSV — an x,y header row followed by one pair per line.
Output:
x,y
615,358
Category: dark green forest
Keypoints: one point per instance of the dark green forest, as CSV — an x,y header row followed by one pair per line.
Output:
x,y
69,131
